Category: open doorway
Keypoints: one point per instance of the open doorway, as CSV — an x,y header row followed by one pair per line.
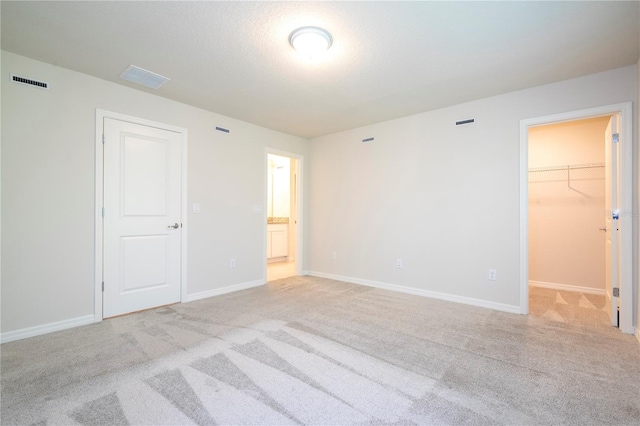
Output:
x,y
576,218
567,224
282,216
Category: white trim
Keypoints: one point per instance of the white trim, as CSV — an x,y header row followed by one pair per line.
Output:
x,y
419,292
278,259
568,287
524,219
38,330
299,257
223,290
185,214
98,261
626,185
99,201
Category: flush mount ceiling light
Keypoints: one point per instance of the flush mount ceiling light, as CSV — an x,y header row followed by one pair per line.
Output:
x,y
310,41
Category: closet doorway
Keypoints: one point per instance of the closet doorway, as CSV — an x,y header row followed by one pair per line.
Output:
x,y
576,232
282,222
567,225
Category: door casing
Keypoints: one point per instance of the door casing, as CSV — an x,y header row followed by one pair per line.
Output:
x,y
627,283
99,202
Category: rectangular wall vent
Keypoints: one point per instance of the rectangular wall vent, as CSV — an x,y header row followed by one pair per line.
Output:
x,y
469,121
222,129
29,81
367,139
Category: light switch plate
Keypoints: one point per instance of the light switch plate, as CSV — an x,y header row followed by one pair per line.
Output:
x,y
196,207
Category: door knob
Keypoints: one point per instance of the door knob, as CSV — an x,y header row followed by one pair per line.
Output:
x,y
174,226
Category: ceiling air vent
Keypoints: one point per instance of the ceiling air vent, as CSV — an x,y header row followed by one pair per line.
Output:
x,y
141,76
29,81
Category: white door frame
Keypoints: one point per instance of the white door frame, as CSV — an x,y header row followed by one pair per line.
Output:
x,y
99,203
625,165
299,210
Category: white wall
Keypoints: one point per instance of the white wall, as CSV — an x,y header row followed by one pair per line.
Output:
x,y
48,190
566,247
445,199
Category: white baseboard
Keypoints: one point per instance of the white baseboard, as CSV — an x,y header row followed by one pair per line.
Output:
x,y
567,287
38,330
223,290
419,292
24,333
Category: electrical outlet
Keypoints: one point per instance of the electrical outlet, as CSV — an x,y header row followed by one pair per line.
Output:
x,y
399,263
257,208
492,274
334,255
232,263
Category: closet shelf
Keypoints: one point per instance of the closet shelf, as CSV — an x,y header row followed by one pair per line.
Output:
x,y
574,172
566,167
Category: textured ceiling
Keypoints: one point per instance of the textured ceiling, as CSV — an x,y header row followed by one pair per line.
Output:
x,y
388,60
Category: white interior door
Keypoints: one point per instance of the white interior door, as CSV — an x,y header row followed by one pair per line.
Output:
x,y
142,217
612,249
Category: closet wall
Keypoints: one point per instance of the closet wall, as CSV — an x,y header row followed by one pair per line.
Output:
x,y
566,207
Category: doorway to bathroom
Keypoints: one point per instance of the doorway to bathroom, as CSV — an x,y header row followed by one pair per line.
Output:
x,y
282,208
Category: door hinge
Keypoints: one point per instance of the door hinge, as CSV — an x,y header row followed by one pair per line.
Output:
x,y
102,285
103,212
103,139
615,138
616,292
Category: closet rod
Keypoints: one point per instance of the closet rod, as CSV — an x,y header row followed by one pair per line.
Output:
x,y
567,167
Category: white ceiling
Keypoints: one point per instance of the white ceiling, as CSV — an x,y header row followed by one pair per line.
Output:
x,y
388,59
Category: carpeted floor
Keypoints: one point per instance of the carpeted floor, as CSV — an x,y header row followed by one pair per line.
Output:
x,y
306,350
578,309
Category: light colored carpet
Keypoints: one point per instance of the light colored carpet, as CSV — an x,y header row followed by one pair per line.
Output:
x,y
306,350
578,309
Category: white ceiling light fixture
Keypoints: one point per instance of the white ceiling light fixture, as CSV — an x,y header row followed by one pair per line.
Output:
x,y
310,41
